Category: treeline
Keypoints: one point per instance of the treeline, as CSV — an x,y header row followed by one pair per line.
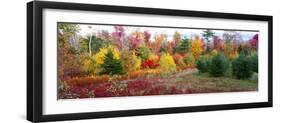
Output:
x,y
121,53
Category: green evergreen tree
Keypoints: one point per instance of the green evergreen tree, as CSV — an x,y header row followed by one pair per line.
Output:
x,y
218,65
255,63
207,35
202,64
112,66
183,47
242,67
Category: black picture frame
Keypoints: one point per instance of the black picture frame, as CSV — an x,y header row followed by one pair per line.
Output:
x,y
35,69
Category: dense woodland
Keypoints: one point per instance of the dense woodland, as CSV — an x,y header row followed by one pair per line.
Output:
x,y
136,63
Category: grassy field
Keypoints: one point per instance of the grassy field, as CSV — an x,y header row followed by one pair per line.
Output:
x,y
184,82
221,84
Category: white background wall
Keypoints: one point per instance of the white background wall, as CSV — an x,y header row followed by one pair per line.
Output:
x,y
13,61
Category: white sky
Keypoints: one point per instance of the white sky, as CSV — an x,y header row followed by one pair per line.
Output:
x,y
154,30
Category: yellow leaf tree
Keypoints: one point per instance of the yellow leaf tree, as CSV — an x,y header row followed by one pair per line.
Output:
x,y
197,47
99,57
167,62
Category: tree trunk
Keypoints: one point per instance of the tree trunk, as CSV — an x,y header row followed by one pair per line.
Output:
x,y
90,42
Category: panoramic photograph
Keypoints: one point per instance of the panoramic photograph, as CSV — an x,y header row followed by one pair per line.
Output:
x,y
110,60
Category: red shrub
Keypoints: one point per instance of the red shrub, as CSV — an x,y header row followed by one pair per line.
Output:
x,y
87,80
149,64
138,86
101,91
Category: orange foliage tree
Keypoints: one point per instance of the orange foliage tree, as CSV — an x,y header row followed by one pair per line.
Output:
x,y
177,37
197,46
158,40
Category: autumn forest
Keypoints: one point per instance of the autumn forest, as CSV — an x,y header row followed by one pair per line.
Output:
x,y
101,60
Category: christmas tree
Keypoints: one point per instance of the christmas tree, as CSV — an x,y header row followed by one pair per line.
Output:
x,y
112,65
